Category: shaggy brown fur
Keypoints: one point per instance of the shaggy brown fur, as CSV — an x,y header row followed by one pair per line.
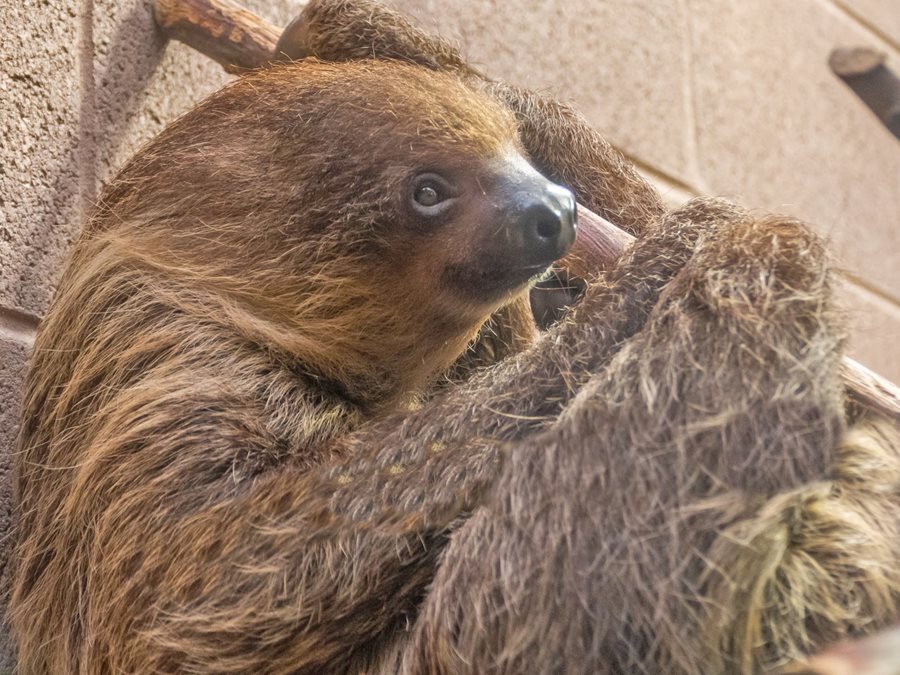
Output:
x,y
219,472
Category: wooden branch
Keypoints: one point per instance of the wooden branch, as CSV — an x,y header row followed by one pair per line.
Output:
x,y
227,33
864,70
240,40
598,244
869,391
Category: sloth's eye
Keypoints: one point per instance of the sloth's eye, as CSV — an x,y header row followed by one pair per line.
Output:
x,y
432,194
427,195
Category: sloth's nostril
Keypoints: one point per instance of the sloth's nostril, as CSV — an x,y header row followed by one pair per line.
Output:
x,y
548,228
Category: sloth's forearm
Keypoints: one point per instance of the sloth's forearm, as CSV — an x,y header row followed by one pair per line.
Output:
x,y
344,30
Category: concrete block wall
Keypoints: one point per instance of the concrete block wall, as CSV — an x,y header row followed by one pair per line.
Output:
x,y
720,97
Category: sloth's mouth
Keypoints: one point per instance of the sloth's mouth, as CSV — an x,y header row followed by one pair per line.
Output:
x,y
491,282
543,273
533,274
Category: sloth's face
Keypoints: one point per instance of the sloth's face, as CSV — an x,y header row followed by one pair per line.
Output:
x,y
358,203
485,228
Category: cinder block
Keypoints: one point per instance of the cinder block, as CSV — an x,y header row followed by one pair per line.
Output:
x,y
882,15
875,331
619,63
777,130
40,115
13,358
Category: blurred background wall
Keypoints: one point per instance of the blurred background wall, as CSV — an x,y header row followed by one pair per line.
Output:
x,y
705,96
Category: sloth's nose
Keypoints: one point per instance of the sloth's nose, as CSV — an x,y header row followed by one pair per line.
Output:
x,y
545,222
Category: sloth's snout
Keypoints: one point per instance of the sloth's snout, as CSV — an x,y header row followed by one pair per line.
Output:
x,y
544,224
540,222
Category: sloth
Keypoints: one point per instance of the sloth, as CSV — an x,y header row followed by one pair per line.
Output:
x,y
289,411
